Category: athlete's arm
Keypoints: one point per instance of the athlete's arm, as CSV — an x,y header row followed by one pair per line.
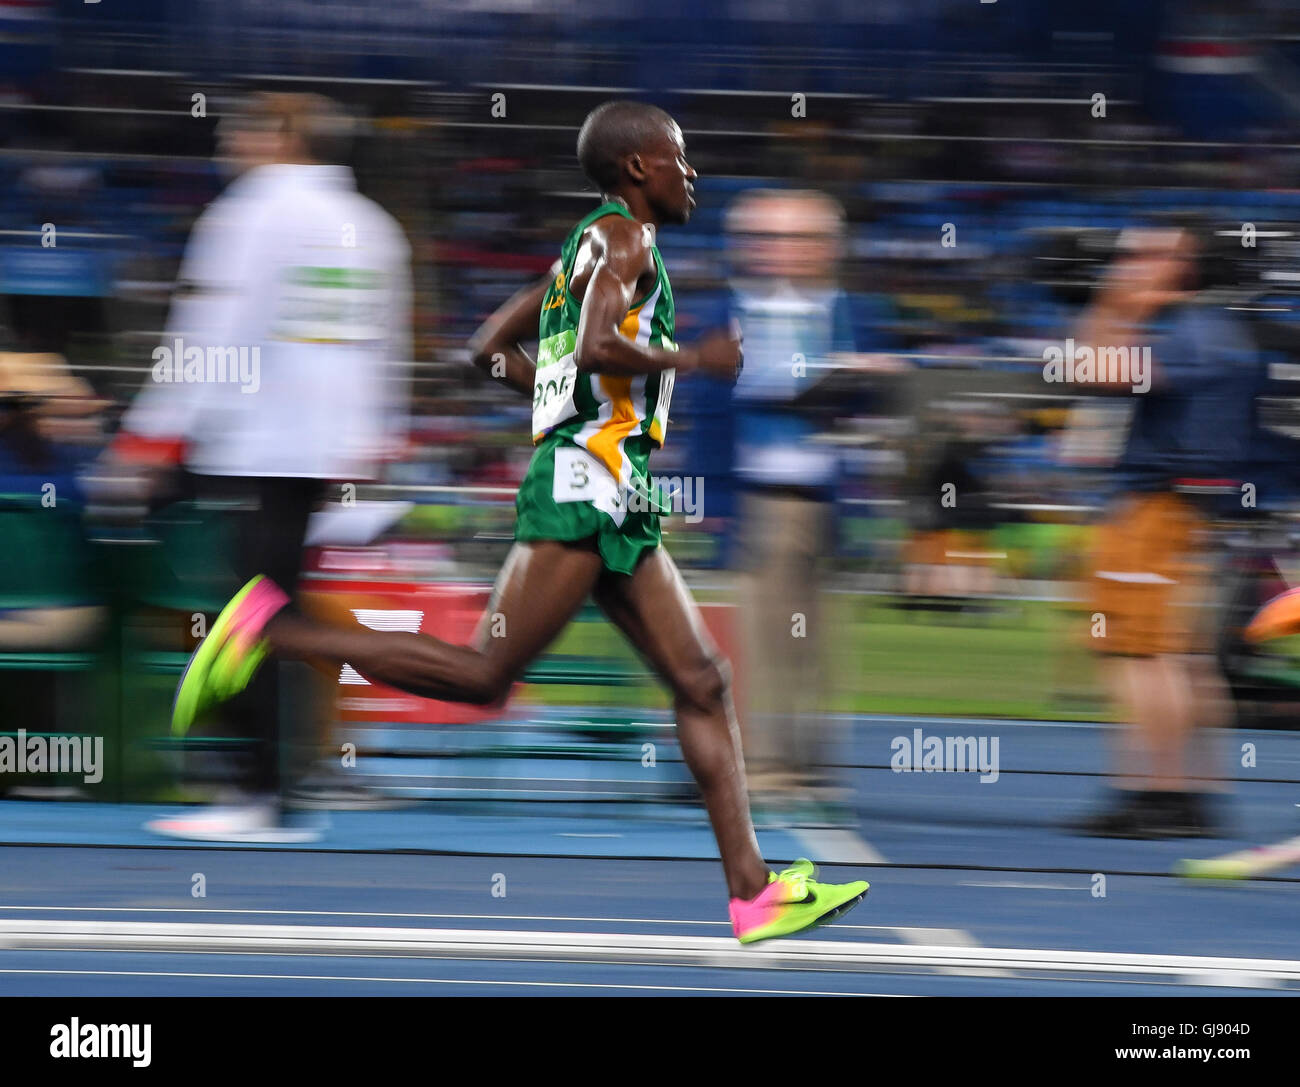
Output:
x,y
618,253
499,338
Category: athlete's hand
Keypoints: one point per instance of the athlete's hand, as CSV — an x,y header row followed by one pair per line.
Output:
x,y
719,354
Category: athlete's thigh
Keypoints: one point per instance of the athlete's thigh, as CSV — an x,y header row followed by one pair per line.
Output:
x,y
540,588
656,612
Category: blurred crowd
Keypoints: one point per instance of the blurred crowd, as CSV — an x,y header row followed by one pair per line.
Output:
x,y
916,248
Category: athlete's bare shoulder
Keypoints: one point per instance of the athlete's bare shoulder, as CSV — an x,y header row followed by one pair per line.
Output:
x,y
622,245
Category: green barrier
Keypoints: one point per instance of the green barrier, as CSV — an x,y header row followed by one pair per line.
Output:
x,y
49,566
47,562
177,567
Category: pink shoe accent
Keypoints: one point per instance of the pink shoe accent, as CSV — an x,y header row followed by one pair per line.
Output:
x,y
748,914
255,611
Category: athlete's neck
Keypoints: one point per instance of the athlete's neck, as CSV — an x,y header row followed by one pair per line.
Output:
x,y
636,206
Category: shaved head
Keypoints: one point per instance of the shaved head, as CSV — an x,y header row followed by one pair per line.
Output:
x,y
613,131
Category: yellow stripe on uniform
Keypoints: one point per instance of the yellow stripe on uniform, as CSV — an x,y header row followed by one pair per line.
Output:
x,y
606,443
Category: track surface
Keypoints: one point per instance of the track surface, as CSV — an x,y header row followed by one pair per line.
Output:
x,y
974,891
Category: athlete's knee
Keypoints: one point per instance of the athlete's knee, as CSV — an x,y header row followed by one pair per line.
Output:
x,y
723,667
486,683
706,684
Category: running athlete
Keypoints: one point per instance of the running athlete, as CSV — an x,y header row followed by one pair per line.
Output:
x,y
587,520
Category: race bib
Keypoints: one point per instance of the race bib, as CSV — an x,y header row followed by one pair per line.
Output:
x,y
579,477
553,385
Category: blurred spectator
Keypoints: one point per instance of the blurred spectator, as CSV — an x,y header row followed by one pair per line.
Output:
x,y
49,603
1149,584
44,411
794,318
293,271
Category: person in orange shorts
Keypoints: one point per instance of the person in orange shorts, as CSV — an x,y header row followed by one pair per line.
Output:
x,y
1191,373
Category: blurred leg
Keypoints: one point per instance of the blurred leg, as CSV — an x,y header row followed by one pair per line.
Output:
x,y
654,609
764,734
538,591
1169,733
1212,707
806,669
1129,690
1177,628
1147,585
269,539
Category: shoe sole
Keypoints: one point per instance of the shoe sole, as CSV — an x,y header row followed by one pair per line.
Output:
x,y
839,911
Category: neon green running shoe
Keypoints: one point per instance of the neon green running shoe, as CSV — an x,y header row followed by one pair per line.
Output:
x,y
1225,868
791,902
226,660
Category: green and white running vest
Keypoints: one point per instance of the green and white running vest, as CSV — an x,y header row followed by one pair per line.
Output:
x,y
596,411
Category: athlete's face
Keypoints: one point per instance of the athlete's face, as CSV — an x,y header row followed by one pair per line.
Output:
x,y
669,178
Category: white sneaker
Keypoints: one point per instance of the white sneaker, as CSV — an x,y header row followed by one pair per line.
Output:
x,y
239,823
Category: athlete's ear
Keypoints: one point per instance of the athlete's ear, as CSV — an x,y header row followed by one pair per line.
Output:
x,y
636,168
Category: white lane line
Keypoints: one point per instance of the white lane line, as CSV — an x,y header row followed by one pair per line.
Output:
x,y
1029,886
836,846
450,981
627,948
951,937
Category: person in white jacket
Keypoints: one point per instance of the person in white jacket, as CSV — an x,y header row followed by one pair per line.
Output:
x,y
283,367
